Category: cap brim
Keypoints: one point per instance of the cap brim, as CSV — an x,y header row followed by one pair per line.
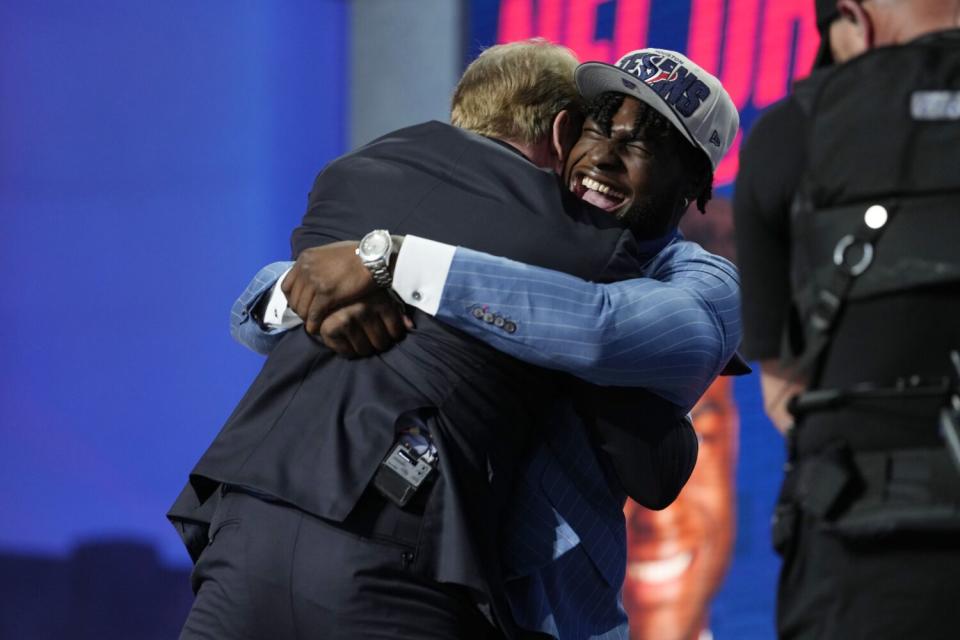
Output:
x,y
594,78
736,366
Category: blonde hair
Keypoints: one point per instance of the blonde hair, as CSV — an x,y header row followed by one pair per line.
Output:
x,y
513,91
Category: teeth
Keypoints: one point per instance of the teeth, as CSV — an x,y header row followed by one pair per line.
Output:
x,y
599,187
657,571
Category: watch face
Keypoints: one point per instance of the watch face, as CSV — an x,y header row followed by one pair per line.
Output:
x,y
374,245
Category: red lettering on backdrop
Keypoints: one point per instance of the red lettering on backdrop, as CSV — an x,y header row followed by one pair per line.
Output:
x,y
550,20
515,21
733,65
581,27
631,26
703,41
739,49
631,23
727,169
774,74
522,19
573,23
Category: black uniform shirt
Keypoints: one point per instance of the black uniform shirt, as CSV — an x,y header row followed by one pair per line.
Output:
x,y
771,164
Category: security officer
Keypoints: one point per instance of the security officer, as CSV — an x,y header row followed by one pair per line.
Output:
x,y
771,165
869,518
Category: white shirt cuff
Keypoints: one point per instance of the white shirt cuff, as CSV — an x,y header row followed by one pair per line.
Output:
x,y
277,314
421,272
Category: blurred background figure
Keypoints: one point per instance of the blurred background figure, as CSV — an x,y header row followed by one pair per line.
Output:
x,y
846,194
677,558
771,166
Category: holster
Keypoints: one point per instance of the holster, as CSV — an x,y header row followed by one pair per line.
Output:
x,y
871,495
816,486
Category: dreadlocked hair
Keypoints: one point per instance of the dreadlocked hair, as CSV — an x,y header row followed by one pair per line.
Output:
x,y
651,125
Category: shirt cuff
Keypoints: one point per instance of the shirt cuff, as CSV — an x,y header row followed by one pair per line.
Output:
x,y
421,272
278,315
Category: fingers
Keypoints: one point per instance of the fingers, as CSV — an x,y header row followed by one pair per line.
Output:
x,y
394,322
337,343
315,314
363,328
342,332
295,288
325,278
391,313
289,280
359,341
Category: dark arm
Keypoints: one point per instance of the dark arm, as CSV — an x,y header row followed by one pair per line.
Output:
x,y
771,165
649,442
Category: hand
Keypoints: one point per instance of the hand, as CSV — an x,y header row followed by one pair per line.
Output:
x,y
364,328
324,279
778,384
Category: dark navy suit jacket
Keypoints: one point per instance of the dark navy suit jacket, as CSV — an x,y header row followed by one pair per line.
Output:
x,y
313,427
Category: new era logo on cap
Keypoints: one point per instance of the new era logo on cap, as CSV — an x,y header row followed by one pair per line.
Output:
x,y
689,97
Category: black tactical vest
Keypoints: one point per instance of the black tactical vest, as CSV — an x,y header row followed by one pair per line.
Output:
x,y
877,213
883,129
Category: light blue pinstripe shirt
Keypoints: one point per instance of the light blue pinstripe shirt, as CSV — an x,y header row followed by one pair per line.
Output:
x,y
670,332
243,329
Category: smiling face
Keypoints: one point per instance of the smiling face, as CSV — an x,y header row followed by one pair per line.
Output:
x,y
676,558
632,168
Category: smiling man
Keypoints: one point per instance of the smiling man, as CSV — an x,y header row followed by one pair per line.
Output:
x,y
518,502
677,557
648,188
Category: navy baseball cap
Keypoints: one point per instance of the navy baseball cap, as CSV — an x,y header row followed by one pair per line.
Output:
x,y
689,97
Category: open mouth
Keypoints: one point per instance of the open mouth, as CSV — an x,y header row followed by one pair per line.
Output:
x,y
661,570
597,193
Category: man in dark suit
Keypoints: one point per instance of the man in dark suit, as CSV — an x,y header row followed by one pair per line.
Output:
x,y
300,451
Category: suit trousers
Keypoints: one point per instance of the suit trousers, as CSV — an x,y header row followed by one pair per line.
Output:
x,y
274,572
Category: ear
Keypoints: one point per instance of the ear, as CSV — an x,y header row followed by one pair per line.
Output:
x,y
565,133
860,17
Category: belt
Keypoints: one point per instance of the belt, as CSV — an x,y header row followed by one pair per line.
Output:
x,y
902,388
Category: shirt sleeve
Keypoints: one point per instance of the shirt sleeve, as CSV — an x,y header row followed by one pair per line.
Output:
x,y
243,327
670,332
771,165
421,272
277,314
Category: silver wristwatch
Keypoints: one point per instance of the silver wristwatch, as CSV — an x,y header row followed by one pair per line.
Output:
x,y
374,251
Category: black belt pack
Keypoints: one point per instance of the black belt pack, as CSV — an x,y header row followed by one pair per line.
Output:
x,y
862,495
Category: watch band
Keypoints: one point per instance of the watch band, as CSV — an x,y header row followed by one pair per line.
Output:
x,y
380,271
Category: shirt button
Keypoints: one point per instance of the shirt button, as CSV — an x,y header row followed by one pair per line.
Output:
x,y
416,295
498,321
477,313
509,327
488,318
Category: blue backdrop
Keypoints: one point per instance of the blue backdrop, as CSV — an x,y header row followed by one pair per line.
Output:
x,y
152,154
